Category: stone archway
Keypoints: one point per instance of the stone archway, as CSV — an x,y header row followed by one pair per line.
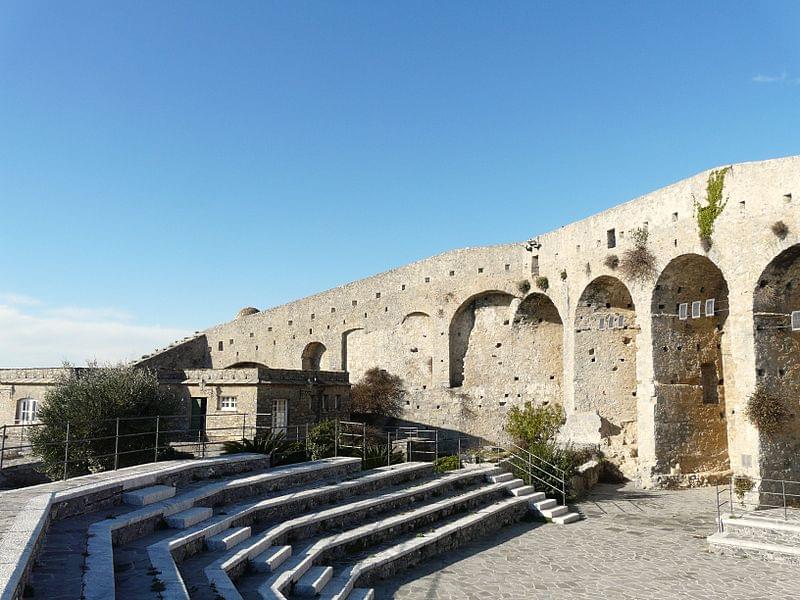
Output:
x,y
689,312
605,366
311,359
777,353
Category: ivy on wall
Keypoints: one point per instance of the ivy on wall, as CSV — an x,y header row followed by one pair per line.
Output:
x,y
715,204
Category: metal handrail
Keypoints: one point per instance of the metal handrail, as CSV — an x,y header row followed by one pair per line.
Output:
x,y
756,485
562,489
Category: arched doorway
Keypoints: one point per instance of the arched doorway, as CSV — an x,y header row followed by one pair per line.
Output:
x,y
312,356
777,350
605,366
689,311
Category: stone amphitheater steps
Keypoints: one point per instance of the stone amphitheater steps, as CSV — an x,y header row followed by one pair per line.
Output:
x,y
550,509
148,495
163,549
376,532
344,515
127,525
758,537
407,551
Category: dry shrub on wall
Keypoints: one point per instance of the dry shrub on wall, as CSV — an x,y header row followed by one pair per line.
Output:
x,y
768,411
780,229
611,261
638,263
542,283
524,286
378,394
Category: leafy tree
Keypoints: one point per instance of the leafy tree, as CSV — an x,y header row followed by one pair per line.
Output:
x,y
378,393
91,400
321,440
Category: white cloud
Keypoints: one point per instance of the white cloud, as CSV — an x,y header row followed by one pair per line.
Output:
x,y
32,335
782,78
18,299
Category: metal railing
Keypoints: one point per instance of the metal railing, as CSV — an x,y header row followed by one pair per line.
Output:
x,y
124,441
769,497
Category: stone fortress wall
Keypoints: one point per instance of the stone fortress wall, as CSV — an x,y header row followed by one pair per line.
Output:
x,y
472,333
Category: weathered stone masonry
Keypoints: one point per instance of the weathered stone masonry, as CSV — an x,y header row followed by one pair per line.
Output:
x,y
478,330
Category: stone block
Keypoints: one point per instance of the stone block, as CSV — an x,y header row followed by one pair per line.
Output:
x,y
148,495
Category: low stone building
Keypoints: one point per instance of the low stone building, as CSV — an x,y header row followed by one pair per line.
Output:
x,y
217,403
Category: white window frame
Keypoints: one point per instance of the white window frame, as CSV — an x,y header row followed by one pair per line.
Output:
x,y
26,411
228,403
683,311
280,415
710,307
696,309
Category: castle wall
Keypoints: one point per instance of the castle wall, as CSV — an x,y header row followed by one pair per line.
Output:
x,y
460,378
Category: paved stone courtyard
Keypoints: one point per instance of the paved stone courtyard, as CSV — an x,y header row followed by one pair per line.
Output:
x,y
633,544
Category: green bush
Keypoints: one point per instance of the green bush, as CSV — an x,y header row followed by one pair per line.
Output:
x,y
446,463
90,400
261,444
715,204
321,440
534,426
378,456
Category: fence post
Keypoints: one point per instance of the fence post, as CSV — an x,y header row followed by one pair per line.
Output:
x,y
459,452
66,452
730,493
336,437
719,514
3,447
116,446
783,493
158,426
364,442
388,448
436,445
244,426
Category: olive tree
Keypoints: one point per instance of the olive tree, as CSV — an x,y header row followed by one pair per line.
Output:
x,y
91,400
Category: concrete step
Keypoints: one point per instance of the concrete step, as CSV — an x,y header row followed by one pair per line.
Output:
x,y
148,495
187,518
514,484
728,543
271,558
523,490
544,504
570,517
501,478
551,513
228,538
313,581
362,594
536,497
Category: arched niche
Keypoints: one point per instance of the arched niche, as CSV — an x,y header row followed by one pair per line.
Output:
x,y
689,311
777,354
605,365
472,334
311,359
247,365
355,357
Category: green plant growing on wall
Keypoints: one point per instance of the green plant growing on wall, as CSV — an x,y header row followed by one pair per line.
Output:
x,y
715,204
563,274
638,263
542,283
524,286
767,411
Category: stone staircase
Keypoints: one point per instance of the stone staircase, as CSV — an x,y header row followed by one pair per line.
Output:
x,y
323,528
758,536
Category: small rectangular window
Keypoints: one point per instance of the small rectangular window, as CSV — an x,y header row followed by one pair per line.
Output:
x,y
611,238
324,402
227,403
683,311
601,323
220,346
696,309
337,399
621,321
796,320
710,307
377,294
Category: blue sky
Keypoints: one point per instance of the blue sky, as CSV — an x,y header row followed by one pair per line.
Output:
x,y
163,164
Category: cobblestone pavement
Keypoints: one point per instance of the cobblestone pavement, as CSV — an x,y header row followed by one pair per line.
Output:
x,y
633,544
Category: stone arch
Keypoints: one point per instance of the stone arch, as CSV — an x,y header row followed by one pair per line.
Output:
x,y
688,369
311,359
248,364
777,357
472,329
605,366
354,355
